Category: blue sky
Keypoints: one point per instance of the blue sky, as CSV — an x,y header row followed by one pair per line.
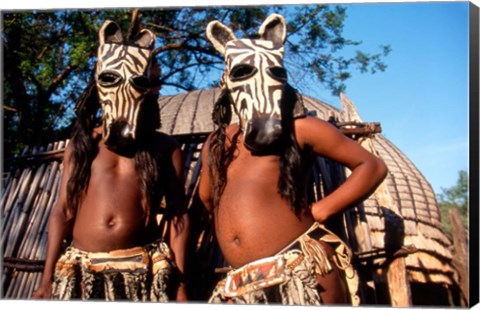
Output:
x,y
422,98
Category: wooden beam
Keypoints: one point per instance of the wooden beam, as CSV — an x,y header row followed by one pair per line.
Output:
x,y
460,257
398,284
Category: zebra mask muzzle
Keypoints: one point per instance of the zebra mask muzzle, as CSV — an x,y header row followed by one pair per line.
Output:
x,y
123,77
120,136
262,134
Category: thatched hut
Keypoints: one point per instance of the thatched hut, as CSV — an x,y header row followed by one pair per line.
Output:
x,y
400,249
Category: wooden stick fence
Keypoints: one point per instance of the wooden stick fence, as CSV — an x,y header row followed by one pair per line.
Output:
x,y
30,191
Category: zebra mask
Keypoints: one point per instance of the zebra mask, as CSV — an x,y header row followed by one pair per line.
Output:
x,y
255,82
124,77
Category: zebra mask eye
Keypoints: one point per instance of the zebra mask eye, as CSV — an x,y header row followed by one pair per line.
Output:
x,y
277,73
109,79
242,72
140,82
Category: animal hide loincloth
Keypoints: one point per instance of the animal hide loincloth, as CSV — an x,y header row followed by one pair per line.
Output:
x,y
136,274
289,278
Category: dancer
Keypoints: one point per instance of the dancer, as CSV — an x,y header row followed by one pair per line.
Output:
x,y
254,180
114,179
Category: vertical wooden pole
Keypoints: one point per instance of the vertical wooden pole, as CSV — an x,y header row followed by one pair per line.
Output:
x,y
460,257
396,274
398,284
397,279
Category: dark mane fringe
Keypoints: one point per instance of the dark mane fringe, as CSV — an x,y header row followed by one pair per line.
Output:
x,y
219,158
292,167
147,163
147,166
293,161
83,146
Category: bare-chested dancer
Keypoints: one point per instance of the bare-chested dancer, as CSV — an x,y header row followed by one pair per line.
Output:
x,y
112,185
254,180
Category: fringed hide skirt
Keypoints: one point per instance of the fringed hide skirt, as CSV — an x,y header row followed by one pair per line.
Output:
x,y
289,278
136,274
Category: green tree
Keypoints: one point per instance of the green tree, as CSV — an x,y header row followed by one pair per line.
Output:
x,y
49,57
454,197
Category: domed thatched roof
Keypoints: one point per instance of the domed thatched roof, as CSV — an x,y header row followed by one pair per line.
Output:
x,y
413,215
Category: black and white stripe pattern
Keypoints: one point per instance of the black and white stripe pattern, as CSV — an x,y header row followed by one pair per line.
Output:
x,y
123,77
122,99
254,74
256,94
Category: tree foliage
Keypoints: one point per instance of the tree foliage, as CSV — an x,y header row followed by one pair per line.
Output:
x,y
454,197
49,57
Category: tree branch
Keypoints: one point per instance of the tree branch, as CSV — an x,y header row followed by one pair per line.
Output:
x,y
9,109
59,78
175,71
134,24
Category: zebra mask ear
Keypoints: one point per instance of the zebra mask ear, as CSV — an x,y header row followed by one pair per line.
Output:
x,y
219,34
145,39
274,29
110,32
